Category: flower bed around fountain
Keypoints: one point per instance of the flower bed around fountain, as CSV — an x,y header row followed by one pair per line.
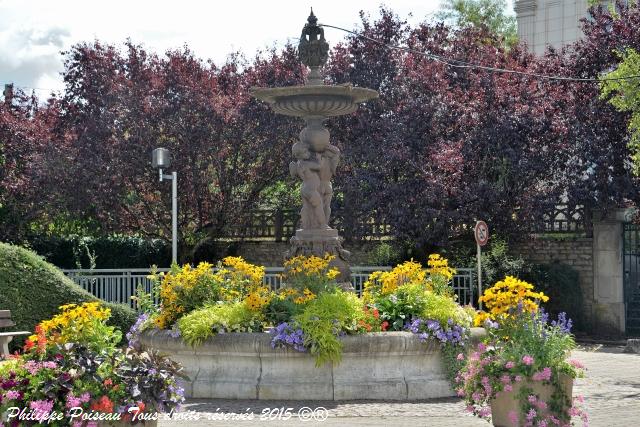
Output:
x,y
400,341
384,365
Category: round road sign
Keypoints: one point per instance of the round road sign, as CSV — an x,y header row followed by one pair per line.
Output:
x,y
481,233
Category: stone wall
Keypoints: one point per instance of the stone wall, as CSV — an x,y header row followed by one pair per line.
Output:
x,y
576,252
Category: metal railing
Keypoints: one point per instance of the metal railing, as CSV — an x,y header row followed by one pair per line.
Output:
x,y
119,285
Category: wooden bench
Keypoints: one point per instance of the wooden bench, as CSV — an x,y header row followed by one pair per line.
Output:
x,y
6,337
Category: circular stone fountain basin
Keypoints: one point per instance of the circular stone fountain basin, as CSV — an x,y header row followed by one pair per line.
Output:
x,y
315,100
389,366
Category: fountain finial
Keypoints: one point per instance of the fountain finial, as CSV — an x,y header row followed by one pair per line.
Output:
x,y
313,49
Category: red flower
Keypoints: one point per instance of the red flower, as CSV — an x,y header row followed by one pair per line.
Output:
x,y
104,405
28,345
376,314
42,339
385,325
108,382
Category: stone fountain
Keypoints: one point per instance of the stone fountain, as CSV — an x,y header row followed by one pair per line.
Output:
x,y
315,158
379,366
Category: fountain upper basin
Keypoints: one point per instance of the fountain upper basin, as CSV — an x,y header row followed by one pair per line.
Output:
x,y
314,100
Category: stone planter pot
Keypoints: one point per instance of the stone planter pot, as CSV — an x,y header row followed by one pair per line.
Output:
x,y
506,402
389,366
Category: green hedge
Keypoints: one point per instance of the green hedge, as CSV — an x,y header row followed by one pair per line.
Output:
x,y
33,290
109,251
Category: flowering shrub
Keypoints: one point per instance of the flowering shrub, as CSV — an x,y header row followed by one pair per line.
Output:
x,y
522,349
185,289
85,323
310,273
371,321
382,283
66,373
309,312
505,297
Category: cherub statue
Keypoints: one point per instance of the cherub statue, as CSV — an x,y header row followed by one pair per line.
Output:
x,y
307,168
328,163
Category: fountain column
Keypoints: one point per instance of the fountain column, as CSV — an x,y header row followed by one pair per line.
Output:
x,y
315,159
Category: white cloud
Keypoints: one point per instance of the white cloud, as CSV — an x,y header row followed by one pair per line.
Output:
x,y
34,32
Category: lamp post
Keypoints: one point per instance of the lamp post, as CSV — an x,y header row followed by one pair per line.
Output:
x,y
161,159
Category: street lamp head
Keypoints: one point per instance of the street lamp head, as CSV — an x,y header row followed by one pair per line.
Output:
x,y
161,158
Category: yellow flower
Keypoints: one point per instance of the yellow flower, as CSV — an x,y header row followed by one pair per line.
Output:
x,y
440,266
506,295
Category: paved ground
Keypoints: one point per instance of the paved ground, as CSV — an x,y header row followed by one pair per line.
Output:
x,y
611,390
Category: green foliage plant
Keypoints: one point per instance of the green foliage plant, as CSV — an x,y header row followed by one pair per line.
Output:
x,y
325,319
624,95
205,322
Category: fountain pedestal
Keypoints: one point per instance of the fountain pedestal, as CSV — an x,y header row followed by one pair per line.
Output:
x,y
315,158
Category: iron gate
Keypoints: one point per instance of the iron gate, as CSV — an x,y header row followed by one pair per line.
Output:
x,y
631,270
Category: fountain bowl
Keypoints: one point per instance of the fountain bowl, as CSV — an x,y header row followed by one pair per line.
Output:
x,y
314,100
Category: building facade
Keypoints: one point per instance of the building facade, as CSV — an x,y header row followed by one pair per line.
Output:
x,y
549,22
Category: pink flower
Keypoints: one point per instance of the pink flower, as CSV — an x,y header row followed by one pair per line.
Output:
x,y
85,397
554,420
485,380
518,378
484,412
32,367
72,401
476,396
542,405
505,379
542,423
469,408
42,405
509,365
508,387
12,395
460,356
527,360
576,363
482,347
573,411
532,398
460,392
513,417
580,398
544,375
531,414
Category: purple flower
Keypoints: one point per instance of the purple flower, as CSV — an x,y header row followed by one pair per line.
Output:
x,y
284,335
563,323
134,333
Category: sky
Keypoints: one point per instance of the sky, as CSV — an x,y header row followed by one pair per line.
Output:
x,y
34,32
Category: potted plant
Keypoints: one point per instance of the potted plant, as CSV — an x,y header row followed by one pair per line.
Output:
x,y
521,375
73,372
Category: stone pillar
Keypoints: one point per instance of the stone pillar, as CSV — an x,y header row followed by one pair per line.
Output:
x,y
609,308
